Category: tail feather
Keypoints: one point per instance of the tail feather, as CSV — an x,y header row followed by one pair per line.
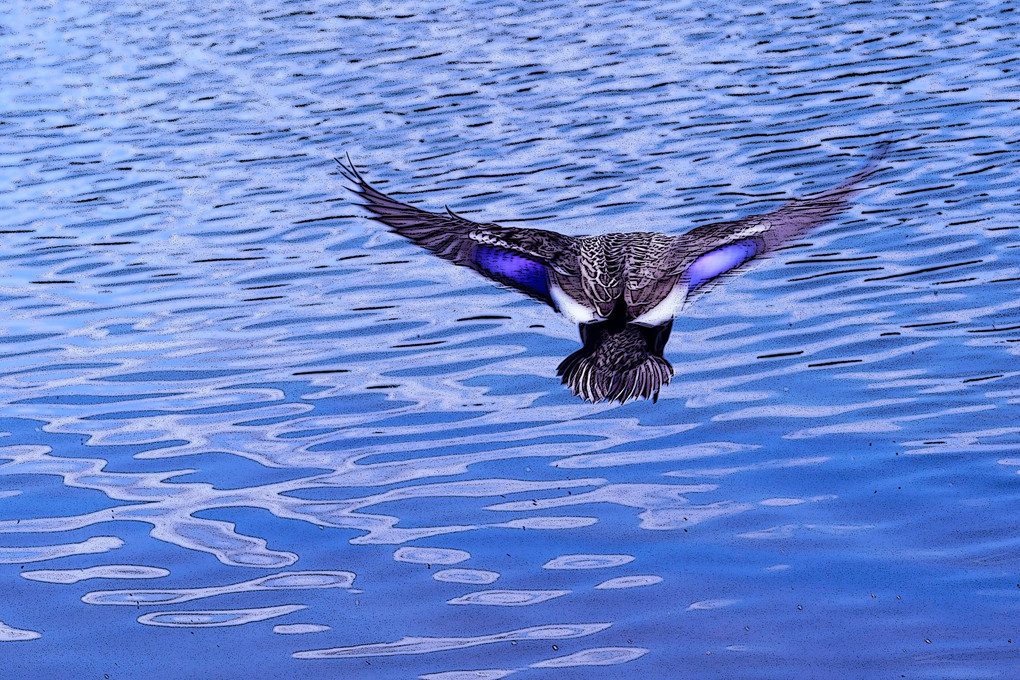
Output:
x,y
618,366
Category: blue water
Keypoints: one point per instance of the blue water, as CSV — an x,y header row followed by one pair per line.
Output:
x,y
248,433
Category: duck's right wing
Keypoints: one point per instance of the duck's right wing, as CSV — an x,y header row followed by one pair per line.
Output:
x,y
515,257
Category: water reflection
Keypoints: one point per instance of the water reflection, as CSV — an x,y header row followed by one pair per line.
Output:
x,y
284,580
598,656
508,598
11,634
214,618
425,645
470,576
629,582
299,628
110,571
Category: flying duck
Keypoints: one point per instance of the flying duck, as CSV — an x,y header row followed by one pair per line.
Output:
x,y
622,290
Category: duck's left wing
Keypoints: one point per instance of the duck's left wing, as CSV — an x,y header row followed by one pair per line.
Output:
x,y
515,257
705,253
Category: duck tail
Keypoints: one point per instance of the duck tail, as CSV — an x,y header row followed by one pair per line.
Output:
x,y
617,365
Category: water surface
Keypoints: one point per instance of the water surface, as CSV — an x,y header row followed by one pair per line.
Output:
x,y
247,432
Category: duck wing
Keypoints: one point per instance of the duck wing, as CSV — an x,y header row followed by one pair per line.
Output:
x,y
518,258
705,253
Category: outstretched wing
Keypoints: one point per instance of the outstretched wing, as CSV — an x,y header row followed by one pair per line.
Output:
x,y
518,258
707,252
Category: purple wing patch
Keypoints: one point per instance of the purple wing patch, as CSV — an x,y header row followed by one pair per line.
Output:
x,y
516,270
719,261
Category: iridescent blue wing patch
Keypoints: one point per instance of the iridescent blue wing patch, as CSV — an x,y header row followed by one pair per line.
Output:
x,y
717,262
507,267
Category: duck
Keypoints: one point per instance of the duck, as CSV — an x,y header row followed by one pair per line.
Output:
x,y
623,290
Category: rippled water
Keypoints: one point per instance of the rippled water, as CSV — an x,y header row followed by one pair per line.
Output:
x,y
288,444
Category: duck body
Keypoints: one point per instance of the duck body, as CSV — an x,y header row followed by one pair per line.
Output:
x,y
624,295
